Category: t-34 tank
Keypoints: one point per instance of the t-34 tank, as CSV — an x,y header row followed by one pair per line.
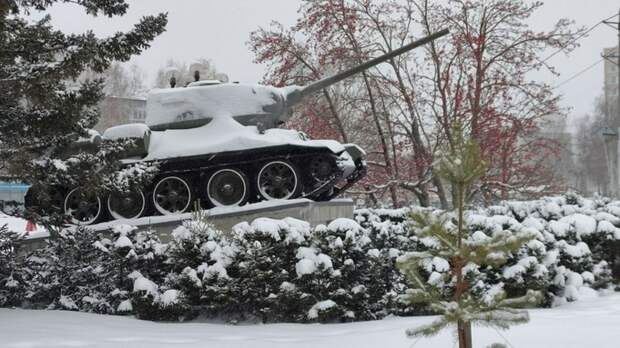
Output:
x,y
219,143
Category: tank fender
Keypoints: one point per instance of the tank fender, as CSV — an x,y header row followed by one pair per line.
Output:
x,y
356,152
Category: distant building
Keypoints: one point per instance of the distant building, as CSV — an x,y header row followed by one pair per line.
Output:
x,y
12,195
116,111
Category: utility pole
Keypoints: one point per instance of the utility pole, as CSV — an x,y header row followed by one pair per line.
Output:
x,y
616,170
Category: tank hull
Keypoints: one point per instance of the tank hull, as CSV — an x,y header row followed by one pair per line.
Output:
x,y
322,169
198,168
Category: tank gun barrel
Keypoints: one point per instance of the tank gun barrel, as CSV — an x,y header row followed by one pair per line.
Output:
x,y
299,94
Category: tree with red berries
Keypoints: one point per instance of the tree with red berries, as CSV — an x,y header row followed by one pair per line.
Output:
x,y
401,111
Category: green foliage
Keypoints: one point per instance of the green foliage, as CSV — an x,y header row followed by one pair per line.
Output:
x,y
150,307
69,272
456,249
461,164
46,114
342,272
12,275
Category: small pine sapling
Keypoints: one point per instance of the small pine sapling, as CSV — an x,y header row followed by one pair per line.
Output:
x,y
439,275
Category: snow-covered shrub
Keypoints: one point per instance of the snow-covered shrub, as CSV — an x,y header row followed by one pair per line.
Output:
x,y
130,250
198,256
283,270
349,265
12,274
84,270
560,262
188,246
150,303
71,272
391,237
265,258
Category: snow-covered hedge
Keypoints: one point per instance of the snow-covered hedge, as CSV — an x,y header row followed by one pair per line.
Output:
x,y
576,249
283,270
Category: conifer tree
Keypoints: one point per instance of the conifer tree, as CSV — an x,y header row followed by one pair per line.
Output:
x,y
12,282
465,302
43,110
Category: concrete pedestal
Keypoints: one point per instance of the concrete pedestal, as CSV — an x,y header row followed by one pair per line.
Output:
x,y
225,218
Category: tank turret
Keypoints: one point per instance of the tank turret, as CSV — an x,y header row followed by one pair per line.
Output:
x,y
181,108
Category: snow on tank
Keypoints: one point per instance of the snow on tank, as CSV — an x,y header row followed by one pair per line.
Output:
x,y
203,101
218,143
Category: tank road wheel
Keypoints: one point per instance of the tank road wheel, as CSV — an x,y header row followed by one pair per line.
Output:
x,y
126,206
83,208
227,187
278,180
172,195
322,168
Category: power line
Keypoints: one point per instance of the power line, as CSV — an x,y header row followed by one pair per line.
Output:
x,y
579,73
602,21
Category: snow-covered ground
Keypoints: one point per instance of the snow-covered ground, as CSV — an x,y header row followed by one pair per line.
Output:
x,y
587,323
19,225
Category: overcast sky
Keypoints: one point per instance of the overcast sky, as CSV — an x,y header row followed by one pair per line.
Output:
x,y
219,30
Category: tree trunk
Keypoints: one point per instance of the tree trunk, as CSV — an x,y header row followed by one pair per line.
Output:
x,y
464,333
441,192
384,146
339,124
463,328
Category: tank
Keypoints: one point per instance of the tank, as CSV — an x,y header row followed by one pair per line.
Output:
x,y
220,144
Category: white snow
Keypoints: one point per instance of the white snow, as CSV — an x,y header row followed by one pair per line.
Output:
x,y
309,262
606,227
344,224
304,266
270,227
590,322
125,306
123,242
67,303
435,279
580,249
223,135
143,284
559,228
170,105
169,297
286,286
534,223
193,276
584,224
522,266
490,296
182,233
313,313
436,264
18,225
132,130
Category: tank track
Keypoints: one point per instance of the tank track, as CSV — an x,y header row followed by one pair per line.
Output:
x,y
197,173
